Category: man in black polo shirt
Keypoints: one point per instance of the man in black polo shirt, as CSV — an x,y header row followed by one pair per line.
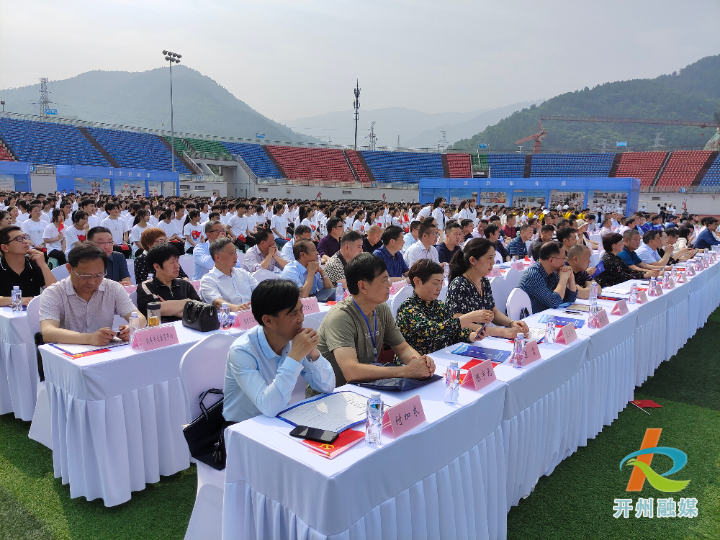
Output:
x,y
22,266
116,265
165,287
453,236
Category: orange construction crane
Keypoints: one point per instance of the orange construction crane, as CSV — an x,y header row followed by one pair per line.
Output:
x,y
539,136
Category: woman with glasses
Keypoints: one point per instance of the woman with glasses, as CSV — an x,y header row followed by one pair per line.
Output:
x,y
30,274
150,237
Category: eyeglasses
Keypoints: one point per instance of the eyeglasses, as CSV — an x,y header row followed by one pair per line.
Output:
x,y
20,238
89,277
104,243
216,231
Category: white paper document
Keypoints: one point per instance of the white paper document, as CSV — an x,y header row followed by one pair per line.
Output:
x,y
334,412
536,334
73,349
621,288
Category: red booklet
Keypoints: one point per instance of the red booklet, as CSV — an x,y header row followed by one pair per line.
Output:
x,y
345,440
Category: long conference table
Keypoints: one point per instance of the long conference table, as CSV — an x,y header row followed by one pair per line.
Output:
x,y
458,474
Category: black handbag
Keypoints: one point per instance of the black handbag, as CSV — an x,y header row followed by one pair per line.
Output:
x,y
204,435
200,316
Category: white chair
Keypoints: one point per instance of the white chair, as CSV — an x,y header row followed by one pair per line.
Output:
x,y
500,290
262,275
40,428
131,271
203,367
498,257
187,263
518,300
512,277
402,295
60,272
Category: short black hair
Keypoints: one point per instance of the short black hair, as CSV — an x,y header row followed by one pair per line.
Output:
x,y
393,232
350,236
450,225
97,230
272,296
5,233
364,267
217,245
565,232
302,229
332,223
415,225
110,206
78,215
423,269
425,227
160,253
86,251
300,247
550,249
650,235
262,235
491,229
672,231
465,222
609,240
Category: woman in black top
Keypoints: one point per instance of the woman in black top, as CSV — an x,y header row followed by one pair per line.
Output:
x,y
616,271
150,237
470,290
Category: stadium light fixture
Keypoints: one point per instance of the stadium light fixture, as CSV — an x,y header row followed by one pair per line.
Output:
x,y
3,105
173,58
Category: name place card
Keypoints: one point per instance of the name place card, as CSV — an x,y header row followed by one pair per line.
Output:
x,y
479,376
620,308
310,305
154,337
566,335
404,416
244,320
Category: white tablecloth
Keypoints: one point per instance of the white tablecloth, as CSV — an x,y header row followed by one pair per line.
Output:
x,y
117,418
18,366
413,487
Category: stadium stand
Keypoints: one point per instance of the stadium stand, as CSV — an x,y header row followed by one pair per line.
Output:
x,y
180,145
255,157
327,164
4,154
682,168
403,166
136,150
506,165
48,143
210,147
459,166
571,165
642,165
357,164
712,176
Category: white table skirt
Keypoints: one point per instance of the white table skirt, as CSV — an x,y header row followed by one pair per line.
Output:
x,y
108,448
676,320
18,366
697,302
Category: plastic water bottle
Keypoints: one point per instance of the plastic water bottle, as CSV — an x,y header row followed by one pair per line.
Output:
x,y
452,383
446,273
633,294
134,325
16,299
592,314
518,355
593,292
550,330
666,280
705,262
652,289
224,316
339,292
373,430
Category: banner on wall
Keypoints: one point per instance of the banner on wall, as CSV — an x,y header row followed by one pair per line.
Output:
x,y
129,188
493,197
7,182
92,185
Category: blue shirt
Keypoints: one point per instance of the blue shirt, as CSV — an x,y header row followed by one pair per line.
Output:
x,y
203,260
517,247
705,240
296,272
629,257
116,267
409,241
540,287
258,381
444,253
396,265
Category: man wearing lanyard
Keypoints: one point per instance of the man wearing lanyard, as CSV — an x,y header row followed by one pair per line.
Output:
x,y
354,331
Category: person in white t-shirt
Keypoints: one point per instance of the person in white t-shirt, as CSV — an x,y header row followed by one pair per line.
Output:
x,y
359,224
78,231
192,230
34,227
88,206
47,211
118,228
179,221
237,226
139,225
155,217
53,236
278,224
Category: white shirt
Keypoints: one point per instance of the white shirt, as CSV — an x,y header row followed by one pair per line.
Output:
x,y
417,251
287,251
117,227
234,289
35,230
279,224
238,225
179,225
193,231
359,226
51,231
168,228
425,212
72,237
135,233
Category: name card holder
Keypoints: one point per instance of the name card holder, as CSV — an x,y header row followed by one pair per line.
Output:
x,y
479,376
620,307
154,337
681,277
310,305
244,320
401,418
518,265
532,352
495,272
642,297
396,286
566,335
671,283
658,290
602,318
130,288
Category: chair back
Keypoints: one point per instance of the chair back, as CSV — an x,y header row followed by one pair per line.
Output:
x,y
262,275
518,300
60,272
498,257
187,263
500,291
33,315
131,271
402,295
203,367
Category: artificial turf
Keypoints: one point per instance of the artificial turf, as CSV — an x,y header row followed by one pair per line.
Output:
x,y
575,502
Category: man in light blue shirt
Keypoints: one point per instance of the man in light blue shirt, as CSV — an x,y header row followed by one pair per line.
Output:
x,y
226,283
264,363
412,236
302,232
305,271
201,254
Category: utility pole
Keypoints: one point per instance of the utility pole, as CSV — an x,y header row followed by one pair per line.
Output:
x,y
604,144
372,136
658,138
356,106
44,98
442,143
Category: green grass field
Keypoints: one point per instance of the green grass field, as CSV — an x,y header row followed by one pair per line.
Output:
x,y
575,502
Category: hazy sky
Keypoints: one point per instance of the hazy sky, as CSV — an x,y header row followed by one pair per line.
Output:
x,y
294,58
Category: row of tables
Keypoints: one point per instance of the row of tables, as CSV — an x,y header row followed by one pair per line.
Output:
x,y
458,474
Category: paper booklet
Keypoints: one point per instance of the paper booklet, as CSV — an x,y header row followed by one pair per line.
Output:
x,y
347,439
473,351
331,412
74,350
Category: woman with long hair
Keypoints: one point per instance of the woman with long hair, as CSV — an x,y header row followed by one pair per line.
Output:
x,y
470,289
192,230
359,224
54,238
140,223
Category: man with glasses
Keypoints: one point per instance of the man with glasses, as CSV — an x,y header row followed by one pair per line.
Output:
x,y
329,245
22,266
424,248
549,282
115,264
80,309
201,254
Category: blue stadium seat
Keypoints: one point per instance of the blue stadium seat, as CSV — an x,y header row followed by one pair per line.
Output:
x,y
137,150
403,166
506,165
712,176
255,157
586,165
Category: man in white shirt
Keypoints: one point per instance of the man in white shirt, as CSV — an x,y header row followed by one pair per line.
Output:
x,y
237,225
34,227
179,221
226,283
425,212
278,224
424,248
647,252
117,227
88,206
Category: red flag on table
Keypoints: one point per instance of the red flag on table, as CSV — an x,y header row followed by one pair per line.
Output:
x,y
646,403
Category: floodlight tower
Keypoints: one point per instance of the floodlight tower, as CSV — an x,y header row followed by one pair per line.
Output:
x,y
44,98
172,58
356,106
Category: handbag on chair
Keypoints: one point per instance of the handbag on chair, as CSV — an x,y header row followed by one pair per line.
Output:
x,y
204,435
200,316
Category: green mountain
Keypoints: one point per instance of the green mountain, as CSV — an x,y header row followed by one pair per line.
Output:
x,y
693,93
142,100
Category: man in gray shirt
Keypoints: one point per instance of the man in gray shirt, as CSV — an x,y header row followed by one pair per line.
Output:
x,y
81,308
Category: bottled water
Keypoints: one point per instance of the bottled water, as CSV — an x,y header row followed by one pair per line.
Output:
x,y
593,292
224,316
518,355
339,292
374,422
16,299
592,314
446,273
652,289
550,330
666,280
452,383
633,294
134,325
705,261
